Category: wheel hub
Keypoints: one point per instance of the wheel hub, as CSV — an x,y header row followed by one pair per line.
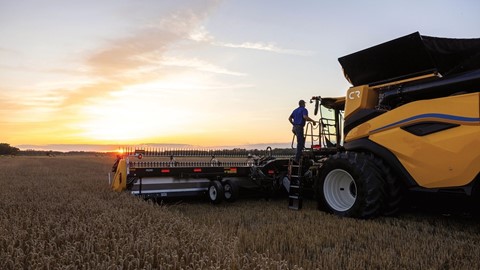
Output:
x,y
212,192
228,193
340,190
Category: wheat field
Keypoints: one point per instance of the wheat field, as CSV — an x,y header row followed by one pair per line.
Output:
x,y
59,213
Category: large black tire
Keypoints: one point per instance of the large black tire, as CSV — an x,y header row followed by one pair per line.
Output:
x,y
474,199
279,188
230,189
394,189
350,185
215,192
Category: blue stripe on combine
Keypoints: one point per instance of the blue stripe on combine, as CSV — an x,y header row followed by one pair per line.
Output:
x,y
432,115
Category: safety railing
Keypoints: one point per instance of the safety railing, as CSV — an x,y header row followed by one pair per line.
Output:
x,y
322,134
163,164
185,152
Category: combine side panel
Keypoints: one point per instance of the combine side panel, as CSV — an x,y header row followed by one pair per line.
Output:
x,y
437,141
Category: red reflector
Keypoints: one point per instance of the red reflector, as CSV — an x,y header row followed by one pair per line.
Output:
x,y
271,171
197,170
316,147
230,170
165,170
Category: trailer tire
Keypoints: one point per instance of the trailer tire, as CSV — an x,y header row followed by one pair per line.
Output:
x,y
130,181
279,188
215,192
350,185
230,189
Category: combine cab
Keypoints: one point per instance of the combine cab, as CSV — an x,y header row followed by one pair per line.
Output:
x,y
221,175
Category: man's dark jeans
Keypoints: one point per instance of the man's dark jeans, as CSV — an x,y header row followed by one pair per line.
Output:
x,y
298,131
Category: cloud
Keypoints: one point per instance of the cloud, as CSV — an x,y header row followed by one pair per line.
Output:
x,y
139,56
270,47
199,65
22,109
202,35
7,50
135,58
128,53
82,95
9,104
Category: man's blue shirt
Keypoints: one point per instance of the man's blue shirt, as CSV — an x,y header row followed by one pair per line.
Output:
x,y
298,114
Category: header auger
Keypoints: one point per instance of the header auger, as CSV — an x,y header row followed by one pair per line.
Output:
x,y
410,122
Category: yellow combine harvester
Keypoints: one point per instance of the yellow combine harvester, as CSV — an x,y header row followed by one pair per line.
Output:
x,y
410,122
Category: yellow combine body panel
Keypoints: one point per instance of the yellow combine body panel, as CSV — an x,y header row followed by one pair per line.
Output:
x,y
360,97
366,97
448,158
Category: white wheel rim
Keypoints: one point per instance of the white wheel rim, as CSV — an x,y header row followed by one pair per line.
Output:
x,y
228,193
286,183
339,190
213,193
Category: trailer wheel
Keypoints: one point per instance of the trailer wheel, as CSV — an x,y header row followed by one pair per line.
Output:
x,y
131,181
286,182
277,187
350,185
230,189
215,192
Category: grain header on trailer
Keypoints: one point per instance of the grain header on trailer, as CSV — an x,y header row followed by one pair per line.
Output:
x,y
221,174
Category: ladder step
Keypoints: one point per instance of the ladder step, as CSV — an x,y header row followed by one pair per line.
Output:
x,y
295,200
295,204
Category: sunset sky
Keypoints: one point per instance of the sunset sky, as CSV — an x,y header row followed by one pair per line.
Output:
x,y
204,73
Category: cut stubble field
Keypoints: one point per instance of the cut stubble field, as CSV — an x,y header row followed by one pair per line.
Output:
x,y
61,213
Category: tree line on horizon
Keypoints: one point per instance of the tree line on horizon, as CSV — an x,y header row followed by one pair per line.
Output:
x,y
6,149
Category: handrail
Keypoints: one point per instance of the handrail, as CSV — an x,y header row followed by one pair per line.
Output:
x,y
313,137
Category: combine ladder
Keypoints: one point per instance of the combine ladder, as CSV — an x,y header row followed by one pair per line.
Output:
x,y
294,196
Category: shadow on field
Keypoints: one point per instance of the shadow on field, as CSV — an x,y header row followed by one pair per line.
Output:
x,y
259,197
456,206
417,204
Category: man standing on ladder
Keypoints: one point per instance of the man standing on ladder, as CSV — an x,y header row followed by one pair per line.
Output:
x,y
298,118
